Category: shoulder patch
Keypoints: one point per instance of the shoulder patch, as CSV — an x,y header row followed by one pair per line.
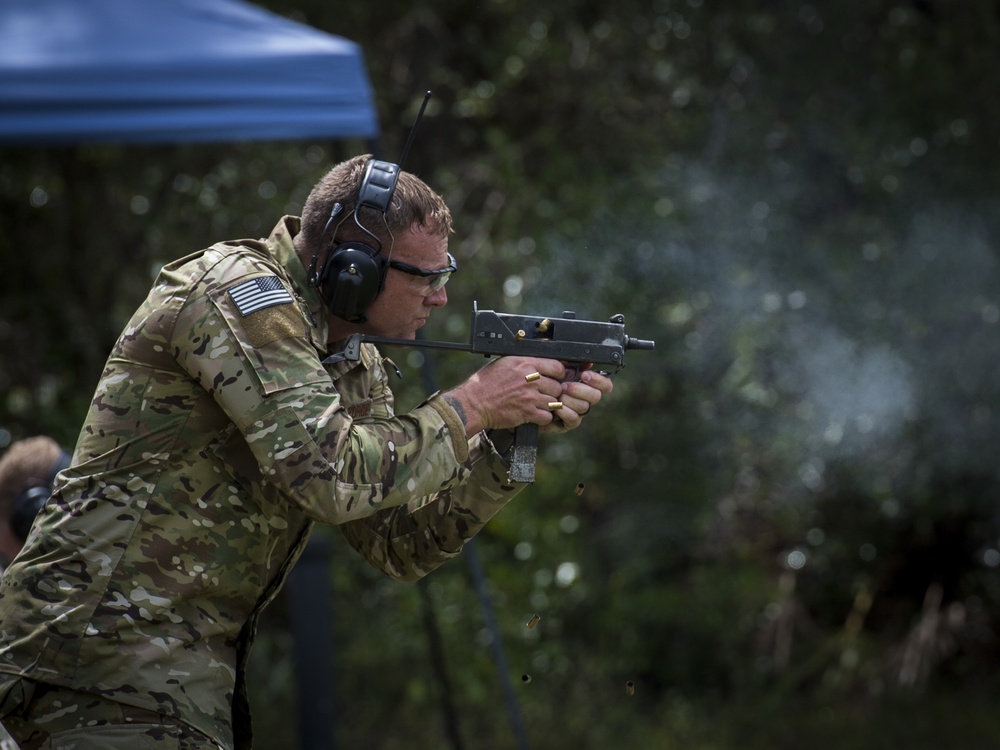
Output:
x,y
273,325
259,293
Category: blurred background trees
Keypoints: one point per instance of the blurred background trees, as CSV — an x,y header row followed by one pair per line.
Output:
x,y
788,528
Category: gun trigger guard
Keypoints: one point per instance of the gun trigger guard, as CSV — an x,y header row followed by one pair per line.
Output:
x,y
574,370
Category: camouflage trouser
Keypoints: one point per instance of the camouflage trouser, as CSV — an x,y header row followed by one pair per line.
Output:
x,y
42,717
6,741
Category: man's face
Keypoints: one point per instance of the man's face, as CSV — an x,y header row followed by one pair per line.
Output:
x,y
407,300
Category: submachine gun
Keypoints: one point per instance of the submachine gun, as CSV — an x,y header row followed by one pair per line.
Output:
x,y
575,342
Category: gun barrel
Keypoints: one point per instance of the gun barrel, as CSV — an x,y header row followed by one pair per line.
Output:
x,y
644,344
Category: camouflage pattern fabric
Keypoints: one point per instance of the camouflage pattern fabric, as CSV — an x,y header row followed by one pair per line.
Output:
x,y
63,719
6,741
215,439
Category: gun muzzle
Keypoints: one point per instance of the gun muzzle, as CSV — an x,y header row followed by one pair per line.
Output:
x,y
646,344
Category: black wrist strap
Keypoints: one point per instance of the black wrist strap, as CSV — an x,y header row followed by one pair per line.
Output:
x,y
503,442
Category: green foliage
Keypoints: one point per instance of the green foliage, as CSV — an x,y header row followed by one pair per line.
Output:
x,y
787,531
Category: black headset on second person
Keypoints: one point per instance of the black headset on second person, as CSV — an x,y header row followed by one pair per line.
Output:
x,y
354,272
31,499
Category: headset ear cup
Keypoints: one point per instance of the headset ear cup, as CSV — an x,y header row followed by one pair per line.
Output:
x,y
26,507
29,501
351,280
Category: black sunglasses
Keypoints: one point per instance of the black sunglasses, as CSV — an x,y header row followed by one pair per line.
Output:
x,y
439,277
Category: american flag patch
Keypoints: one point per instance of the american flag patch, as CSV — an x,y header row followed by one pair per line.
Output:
x,y
256,294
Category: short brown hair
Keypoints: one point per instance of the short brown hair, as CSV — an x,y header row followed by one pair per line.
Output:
x,y
413,202
27,463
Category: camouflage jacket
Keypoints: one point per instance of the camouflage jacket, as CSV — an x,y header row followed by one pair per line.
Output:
x,y
216,437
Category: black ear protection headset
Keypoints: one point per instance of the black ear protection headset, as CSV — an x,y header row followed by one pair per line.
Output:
x,y
353,274
31,499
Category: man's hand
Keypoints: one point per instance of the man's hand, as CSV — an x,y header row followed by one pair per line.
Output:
x,y
512,391
578,397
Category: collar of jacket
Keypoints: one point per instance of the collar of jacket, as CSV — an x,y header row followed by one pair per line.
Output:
x,y
280,244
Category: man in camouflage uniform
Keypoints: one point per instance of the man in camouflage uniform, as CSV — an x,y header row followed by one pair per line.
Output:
x,y
217,436
27,471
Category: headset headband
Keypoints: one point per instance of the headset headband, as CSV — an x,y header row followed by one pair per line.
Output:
x,y
377,186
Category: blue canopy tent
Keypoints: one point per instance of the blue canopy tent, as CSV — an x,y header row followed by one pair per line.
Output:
x,y
172,71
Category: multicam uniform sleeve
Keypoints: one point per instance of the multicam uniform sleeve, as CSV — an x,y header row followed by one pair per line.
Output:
x,y
408,542
262,370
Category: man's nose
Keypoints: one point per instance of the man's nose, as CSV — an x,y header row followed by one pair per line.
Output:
x,y
437,298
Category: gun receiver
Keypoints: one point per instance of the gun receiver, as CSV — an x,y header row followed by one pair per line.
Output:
x,y
565,338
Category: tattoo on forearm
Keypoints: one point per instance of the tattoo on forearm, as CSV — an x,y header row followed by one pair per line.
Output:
x,y
455,404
